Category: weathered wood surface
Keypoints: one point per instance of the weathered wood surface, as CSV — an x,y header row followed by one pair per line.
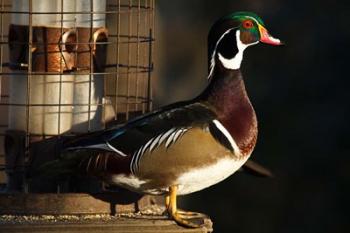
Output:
x,y
71,203
132,224
70,213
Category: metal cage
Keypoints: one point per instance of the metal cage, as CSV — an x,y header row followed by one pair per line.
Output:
x,y
68,67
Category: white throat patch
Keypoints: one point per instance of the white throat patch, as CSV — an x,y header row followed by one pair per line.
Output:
x,y
235,62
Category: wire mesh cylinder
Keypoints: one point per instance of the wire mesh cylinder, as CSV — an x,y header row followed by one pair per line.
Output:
x,y
38,96
69,67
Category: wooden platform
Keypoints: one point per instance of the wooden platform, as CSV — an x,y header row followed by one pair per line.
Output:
x,y
68,213
71,224
72,203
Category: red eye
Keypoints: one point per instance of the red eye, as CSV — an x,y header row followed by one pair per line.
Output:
x,y
248,24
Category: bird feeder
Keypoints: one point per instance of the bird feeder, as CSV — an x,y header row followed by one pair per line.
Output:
x,y
69,67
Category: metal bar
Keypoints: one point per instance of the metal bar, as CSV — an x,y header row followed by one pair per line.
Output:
x,y
91,63
144,70
60,78
118,61
129,61
152,12
84,12
90,91
150,64
1,50
145,57
2,155
70,105
138,51
49,105
30,46
144,39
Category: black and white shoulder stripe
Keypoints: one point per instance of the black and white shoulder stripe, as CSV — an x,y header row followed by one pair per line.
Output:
x,y
221,134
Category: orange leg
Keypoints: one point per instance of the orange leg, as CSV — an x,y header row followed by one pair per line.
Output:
x,y
167,201
179,216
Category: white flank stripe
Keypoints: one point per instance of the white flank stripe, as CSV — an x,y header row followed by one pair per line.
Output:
x,y
132,163
145,146
137,159
165,136
106,160
88,165
115,150
155,142
170,139
184,131
178,133
172,136
227,135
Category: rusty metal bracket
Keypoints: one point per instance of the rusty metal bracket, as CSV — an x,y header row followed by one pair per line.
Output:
x,y
91,46
53,51
100,39
69,48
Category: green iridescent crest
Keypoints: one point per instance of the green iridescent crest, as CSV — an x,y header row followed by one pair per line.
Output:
x,y
242,15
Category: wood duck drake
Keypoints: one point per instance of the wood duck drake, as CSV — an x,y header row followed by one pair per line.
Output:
x,y
187,146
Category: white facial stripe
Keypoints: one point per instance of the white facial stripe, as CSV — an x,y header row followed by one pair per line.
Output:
x,y
253,19
235,62
227,135
212,62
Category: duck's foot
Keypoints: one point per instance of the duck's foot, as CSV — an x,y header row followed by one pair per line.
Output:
x,y
189,215
181,217
197,218
186,220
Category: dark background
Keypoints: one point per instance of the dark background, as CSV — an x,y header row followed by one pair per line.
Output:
x,y
300,93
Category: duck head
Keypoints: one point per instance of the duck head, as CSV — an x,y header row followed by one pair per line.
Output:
x,y
231,35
